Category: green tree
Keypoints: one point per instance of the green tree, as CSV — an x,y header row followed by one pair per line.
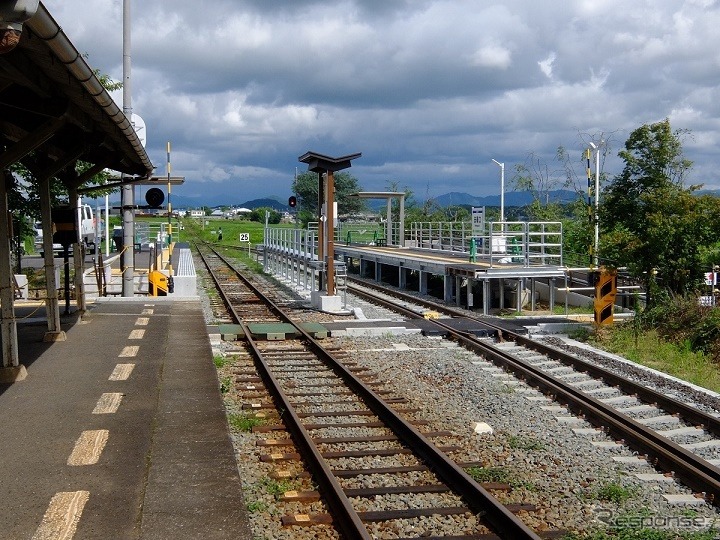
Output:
x,y
306,188
540,180
259,215
651,222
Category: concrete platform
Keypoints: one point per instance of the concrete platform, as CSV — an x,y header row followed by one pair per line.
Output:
x,y
119,431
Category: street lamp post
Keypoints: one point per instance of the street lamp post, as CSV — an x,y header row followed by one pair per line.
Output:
x,y
502,189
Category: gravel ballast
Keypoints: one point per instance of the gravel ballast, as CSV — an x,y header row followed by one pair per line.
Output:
x,y
551,458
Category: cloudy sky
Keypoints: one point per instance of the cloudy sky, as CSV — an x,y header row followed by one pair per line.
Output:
x,y
430,91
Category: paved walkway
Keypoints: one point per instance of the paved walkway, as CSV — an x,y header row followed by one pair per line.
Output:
x,y
119,432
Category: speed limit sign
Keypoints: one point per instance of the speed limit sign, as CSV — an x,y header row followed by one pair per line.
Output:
x,y
244,237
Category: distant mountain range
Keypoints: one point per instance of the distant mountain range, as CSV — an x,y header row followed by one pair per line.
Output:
x,y
512,198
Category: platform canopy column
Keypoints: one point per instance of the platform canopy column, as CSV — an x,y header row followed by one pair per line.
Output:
x,y
11,369
52,304
78,250
389,196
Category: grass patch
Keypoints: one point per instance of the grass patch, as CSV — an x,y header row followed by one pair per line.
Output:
x,y
559,309
649,349
277,488
614,493
489,474
219,361
243,423
256,506
226,385
642,534
517,442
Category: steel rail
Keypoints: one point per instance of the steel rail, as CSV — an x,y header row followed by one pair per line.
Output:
x,y
348,521
475,496
691,469
663,401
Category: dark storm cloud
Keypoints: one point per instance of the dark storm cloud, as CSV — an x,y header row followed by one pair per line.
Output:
x,y
429,91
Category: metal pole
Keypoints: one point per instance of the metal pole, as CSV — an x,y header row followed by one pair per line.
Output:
x,y
589,205
502,189
128,256
596,243
107,226
169,210
597,206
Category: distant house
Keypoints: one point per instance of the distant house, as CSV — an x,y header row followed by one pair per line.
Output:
x,y
217,213
196,213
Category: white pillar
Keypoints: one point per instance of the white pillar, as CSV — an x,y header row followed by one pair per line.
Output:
x,y
8,325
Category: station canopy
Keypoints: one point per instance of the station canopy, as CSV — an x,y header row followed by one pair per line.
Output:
x,y
54,111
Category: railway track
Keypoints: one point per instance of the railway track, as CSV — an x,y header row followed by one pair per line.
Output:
x,y
343,425
675,437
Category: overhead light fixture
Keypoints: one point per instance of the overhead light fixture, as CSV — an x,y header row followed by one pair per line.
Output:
x,y
12,16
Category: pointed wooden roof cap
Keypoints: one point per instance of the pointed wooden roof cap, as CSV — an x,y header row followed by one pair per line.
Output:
x,y
320,163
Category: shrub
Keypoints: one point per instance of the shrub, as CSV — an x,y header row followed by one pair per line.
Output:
x,y
684,322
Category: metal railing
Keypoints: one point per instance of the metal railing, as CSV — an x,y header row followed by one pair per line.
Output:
x,y
444,236
529,243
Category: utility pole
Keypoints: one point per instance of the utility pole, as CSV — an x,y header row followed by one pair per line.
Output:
x,y
596,216
127,259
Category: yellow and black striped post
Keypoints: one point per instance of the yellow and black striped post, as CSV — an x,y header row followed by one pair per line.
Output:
x,y
605,292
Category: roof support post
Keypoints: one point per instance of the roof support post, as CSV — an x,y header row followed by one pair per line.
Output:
x,y
401,230
52,305
325,165
321,229
388,223
11,369
330,232
78,253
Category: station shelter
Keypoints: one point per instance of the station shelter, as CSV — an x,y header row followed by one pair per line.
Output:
x,y
61,126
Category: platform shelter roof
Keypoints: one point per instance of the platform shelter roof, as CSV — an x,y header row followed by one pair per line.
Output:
x,y
54,110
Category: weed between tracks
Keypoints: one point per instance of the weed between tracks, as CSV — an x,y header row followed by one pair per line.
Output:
x,y
219,361
243,423
642,534
615,493
226,384
517,442
497,474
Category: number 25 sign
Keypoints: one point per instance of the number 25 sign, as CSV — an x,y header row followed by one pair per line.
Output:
x,y
244,237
